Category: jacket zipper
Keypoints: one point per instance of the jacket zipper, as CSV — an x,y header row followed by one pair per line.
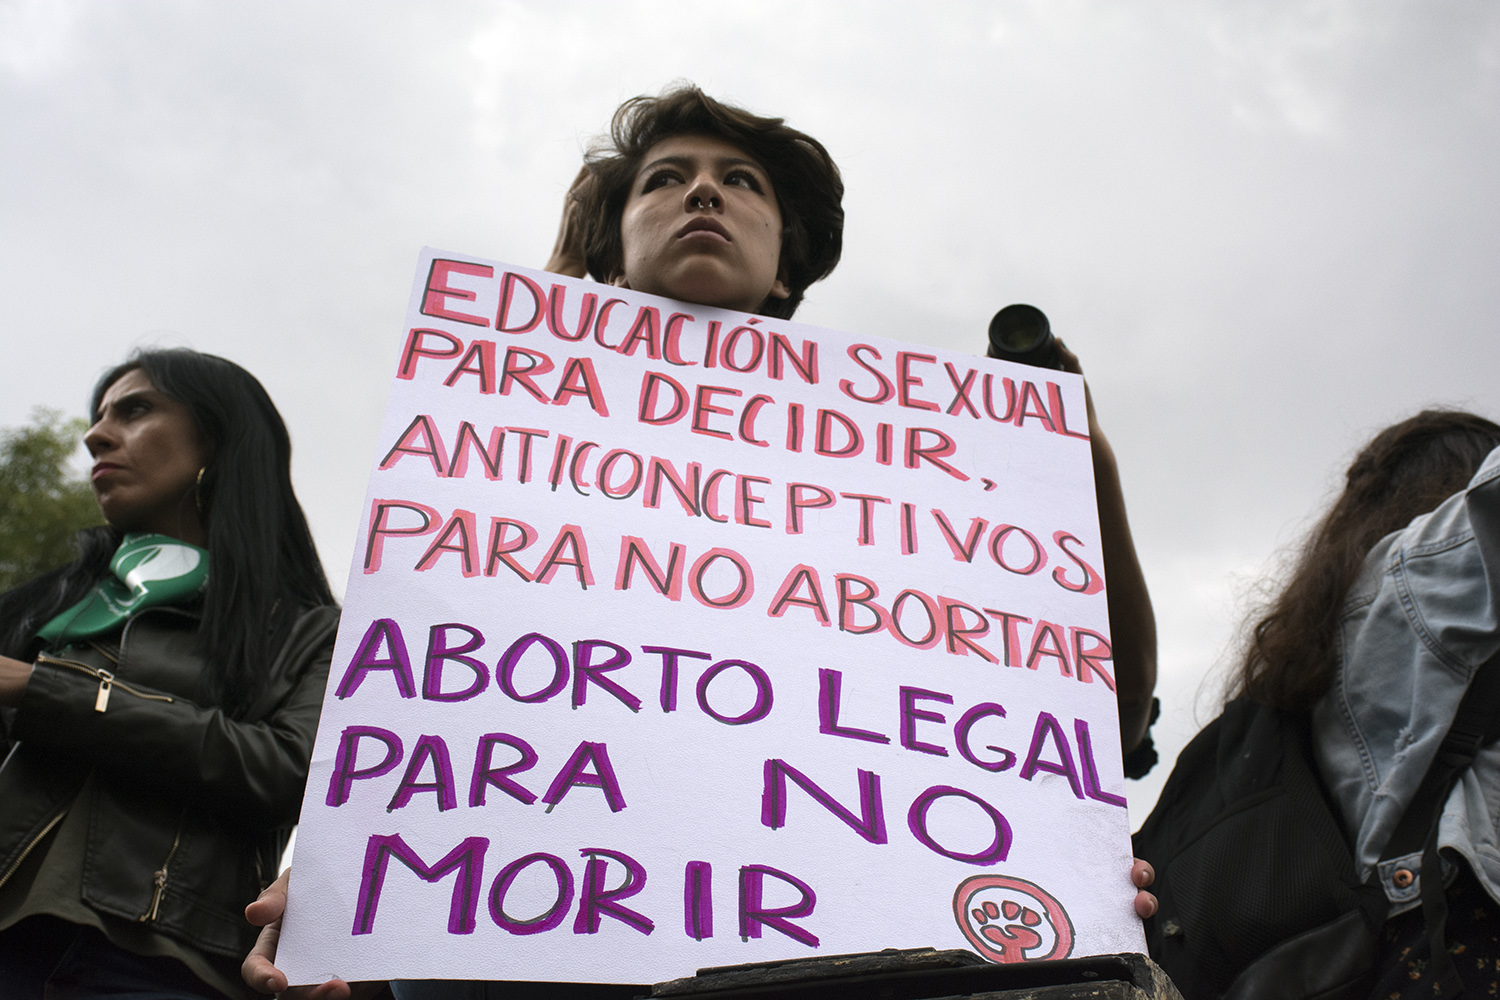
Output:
x,y
103,650
32,846
107,681
159,877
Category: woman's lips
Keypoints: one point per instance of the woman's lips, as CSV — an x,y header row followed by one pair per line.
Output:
x,y
104,469
707,226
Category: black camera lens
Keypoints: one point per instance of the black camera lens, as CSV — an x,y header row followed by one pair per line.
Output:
x,y
1021,333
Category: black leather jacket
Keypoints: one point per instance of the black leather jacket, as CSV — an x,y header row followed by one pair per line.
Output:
x,y
189,810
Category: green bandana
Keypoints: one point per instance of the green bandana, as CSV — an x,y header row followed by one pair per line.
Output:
x,y
148,570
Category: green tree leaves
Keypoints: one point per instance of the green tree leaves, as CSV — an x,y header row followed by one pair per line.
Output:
x,y
42,505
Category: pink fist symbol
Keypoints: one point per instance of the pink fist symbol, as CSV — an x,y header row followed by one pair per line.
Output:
x,y
1012,920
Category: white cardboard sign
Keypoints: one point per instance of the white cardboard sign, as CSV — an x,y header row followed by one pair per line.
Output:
x,y
677,637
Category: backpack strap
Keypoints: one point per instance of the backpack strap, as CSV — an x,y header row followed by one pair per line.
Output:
x,y
1475,726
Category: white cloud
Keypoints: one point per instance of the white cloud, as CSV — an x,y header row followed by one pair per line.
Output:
x,y
1268,229
36,37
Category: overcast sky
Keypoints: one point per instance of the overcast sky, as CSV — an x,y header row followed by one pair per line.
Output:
x,y
1269,229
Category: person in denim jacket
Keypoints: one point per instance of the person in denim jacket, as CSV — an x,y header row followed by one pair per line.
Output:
x,y
1393,606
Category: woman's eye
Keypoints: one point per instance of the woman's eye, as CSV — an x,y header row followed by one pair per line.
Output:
x,y
741,178
659,179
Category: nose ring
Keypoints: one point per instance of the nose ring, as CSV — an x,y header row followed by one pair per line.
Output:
x,y
698,201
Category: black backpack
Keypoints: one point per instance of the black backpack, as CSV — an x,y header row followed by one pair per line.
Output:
x,y
1254,873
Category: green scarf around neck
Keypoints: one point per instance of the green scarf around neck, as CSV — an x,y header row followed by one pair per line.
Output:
x,y
147,570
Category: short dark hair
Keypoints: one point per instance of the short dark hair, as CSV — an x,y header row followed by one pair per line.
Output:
x,y
264,566
808,188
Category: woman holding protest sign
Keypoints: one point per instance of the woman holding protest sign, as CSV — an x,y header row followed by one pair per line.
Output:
x,y
160,695
702,202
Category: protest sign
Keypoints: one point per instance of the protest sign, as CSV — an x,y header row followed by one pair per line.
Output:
x,y
677,637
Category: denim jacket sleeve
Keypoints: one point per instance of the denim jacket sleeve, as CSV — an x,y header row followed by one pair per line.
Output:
x,y
1424,615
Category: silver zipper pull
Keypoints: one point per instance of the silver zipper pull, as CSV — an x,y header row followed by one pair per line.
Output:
x,y
160,878
101,700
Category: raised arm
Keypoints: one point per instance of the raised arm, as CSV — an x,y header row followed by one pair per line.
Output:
x,y
567,252
1132,623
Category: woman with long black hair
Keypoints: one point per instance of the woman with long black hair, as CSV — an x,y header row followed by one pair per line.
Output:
x,y
160,695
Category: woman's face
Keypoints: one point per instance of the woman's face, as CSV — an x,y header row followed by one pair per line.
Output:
x,y
147,454
702,225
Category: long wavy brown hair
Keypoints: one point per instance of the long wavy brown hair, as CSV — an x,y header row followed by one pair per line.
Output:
x,y
1407,470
